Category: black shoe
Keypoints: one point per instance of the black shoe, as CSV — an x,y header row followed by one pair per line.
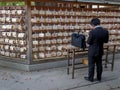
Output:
x,y
86,78
99,80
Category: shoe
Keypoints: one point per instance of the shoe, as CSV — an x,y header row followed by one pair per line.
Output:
x,y
99,80
90,80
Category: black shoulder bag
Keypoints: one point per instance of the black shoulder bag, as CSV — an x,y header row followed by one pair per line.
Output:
x,y
78,40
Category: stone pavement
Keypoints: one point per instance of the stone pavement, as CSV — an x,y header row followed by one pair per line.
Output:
x,y
57,79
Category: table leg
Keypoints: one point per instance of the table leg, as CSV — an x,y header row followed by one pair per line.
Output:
x,y
73,62
68,61
106,58
113,58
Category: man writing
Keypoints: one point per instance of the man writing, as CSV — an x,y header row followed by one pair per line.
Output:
x,y
97,37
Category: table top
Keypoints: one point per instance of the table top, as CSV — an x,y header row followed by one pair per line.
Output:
x,y
73,47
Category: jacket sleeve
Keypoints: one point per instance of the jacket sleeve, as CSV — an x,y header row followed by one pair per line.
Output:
x,y
90,38
106,37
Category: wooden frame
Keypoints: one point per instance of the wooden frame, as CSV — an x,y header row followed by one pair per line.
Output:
x,y
76,7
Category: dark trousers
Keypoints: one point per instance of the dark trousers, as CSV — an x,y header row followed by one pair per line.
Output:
x,y
92,61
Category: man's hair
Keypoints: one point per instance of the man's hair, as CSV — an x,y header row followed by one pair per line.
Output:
x,y
95,22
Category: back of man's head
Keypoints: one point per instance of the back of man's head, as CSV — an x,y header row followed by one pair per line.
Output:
x,y
95,22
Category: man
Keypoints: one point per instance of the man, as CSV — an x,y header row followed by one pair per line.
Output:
x,y
97,37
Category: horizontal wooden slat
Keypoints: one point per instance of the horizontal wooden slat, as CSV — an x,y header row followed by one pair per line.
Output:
x,y
11,0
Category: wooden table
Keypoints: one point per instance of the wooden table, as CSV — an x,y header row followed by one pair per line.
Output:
x,y
71,51
114,45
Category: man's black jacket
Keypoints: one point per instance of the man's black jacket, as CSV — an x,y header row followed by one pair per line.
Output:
x,y
96,39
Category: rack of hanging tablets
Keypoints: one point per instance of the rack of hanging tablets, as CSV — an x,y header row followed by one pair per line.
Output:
x,y
13,32
52,25
55,24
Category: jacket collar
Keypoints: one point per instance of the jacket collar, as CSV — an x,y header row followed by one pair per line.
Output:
x,y
98,26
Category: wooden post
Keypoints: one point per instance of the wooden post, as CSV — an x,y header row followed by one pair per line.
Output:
x,y
113,57
29,31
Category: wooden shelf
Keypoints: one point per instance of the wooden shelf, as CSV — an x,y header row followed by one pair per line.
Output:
x,y
3,43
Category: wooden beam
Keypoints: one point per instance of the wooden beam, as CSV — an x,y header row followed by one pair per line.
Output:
x,y
12,0
29,31
62,1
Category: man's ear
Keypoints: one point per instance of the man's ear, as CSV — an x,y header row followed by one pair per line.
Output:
x,y
92,27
